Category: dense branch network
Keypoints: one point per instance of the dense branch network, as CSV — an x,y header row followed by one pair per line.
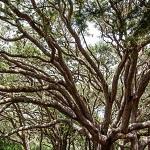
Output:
x,y
48,67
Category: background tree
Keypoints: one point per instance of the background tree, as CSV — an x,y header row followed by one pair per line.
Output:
x,y
64,86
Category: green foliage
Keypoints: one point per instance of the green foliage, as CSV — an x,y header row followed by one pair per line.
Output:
x,y
80,17
147,52
3,65
7,145
104,53
25,48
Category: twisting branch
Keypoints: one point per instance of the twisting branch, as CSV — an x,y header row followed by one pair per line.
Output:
x,y
12,39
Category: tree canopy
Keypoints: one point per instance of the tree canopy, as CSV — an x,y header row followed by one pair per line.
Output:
x,y
58,91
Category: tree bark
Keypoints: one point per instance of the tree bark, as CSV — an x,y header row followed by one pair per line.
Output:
x,y
108,145
26,145
148,137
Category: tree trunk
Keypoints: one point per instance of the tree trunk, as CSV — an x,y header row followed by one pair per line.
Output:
x,y
134,145
64,144
108,145
25,141
26,145
148,138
